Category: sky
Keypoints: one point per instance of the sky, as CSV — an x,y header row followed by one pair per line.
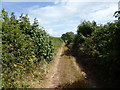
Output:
x,y
58,16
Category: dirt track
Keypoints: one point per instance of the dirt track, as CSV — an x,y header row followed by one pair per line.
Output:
x,y
65,73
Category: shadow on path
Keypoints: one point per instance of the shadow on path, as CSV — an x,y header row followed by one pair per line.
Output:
x,y
90,77
89,80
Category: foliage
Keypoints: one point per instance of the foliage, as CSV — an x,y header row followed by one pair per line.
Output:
x,y
86,28
117,14
57,42
102,43
68,37
24,45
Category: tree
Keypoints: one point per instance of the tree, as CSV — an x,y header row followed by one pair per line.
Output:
x,y
86,28
68,37
117,15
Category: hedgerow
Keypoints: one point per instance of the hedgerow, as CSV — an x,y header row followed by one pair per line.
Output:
x,y
24,46
101,43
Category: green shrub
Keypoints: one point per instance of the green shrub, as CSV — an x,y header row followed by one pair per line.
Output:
x,y
24,45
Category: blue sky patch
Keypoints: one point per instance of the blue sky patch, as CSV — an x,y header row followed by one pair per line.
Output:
x,y
60,17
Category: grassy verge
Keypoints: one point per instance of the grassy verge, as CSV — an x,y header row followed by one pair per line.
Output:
x,y
57,42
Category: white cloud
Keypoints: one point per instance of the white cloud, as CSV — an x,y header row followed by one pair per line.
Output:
x,y
56,1
51,32
104,14
65,16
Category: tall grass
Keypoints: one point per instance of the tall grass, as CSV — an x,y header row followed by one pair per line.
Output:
x,y
57,42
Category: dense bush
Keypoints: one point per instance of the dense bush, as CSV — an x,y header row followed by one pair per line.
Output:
x,y
24,45
101,42
68,38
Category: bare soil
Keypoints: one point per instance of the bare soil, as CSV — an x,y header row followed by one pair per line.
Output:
x,y
64,72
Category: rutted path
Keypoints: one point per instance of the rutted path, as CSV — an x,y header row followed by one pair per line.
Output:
x,y
65,72
53,76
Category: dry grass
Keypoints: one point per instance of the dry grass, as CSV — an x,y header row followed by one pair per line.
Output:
x,y
33,78
62,72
